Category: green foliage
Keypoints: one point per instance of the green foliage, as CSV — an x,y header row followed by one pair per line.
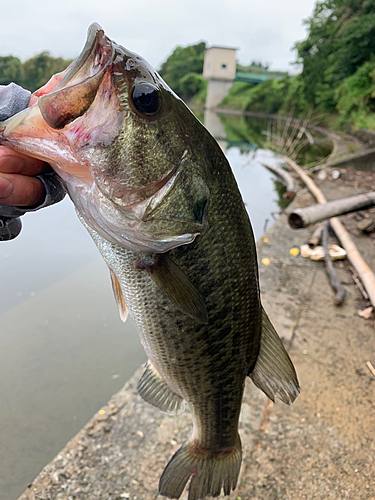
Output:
x,y
295,102
238,95
341,38
180,66
259,65
192,83
199,99
39,69
33,73
268,97
272,96
10,70
356,97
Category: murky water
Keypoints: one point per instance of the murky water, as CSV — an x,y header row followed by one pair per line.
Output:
x,y
63,349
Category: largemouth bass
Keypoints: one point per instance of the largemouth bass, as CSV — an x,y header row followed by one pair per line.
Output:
x,y
158,197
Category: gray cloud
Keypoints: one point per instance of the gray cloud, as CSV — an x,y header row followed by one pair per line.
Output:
x,y
262,31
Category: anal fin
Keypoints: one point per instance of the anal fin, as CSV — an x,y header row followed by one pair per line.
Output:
x,y
274,372
119,297
177,286
153,389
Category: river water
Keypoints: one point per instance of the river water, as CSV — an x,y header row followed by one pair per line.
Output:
x,y
63,348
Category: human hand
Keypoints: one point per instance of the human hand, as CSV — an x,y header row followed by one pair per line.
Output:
x,y
18,184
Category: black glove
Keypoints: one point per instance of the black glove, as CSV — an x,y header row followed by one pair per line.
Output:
x,y
14,99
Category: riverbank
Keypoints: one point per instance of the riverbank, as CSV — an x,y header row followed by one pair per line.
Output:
x,y
347,150
321,447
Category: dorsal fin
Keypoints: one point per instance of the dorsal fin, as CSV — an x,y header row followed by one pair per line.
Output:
x,y
119,296
274,372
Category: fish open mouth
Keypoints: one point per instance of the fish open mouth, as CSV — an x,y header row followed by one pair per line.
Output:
x,y
94,58
79,83
96,54
65,97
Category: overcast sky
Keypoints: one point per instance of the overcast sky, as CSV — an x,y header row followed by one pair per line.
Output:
x,y
262,29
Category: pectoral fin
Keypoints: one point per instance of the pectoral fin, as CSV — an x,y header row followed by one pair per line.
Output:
x,y
177,286
274,372
153,389
119,297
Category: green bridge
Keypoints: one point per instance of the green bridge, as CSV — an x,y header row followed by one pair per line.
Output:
x,y
251,77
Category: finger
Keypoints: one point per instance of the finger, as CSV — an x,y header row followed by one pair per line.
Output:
x,y
21,191
12,162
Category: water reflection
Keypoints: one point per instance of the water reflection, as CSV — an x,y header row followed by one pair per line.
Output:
x,y
249,132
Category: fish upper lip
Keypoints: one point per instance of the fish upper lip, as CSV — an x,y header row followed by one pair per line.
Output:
x,y
95,56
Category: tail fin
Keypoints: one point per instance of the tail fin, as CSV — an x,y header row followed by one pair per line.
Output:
x,y
274,372
209,473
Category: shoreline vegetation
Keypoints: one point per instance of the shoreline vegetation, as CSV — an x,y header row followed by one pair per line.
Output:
x,y
336,87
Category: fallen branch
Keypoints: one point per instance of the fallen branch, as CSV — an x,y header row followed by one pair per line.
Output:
x,y
370,367
358,283
333,279
302,217
285,178
364,272
316,237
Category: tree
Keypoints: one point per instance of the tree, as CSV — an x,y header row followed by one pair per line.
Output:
x,y
190,84
182,63
10,70
39,69
356,97
341,38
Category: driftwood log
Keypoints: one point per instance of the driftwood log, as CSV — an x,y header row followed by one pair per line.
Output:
x,y
364,272
302,217
333,279
285,178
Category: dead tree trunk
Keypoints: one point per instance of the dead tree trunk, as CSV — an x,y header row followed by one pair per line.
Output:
x,y
302,217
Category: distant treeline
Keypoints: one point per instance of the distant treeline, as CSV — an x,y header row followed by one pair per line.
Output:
x,y
33,73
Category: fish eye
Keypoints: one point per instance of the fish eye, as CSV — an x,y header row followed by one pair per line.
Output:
x,y
146,98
